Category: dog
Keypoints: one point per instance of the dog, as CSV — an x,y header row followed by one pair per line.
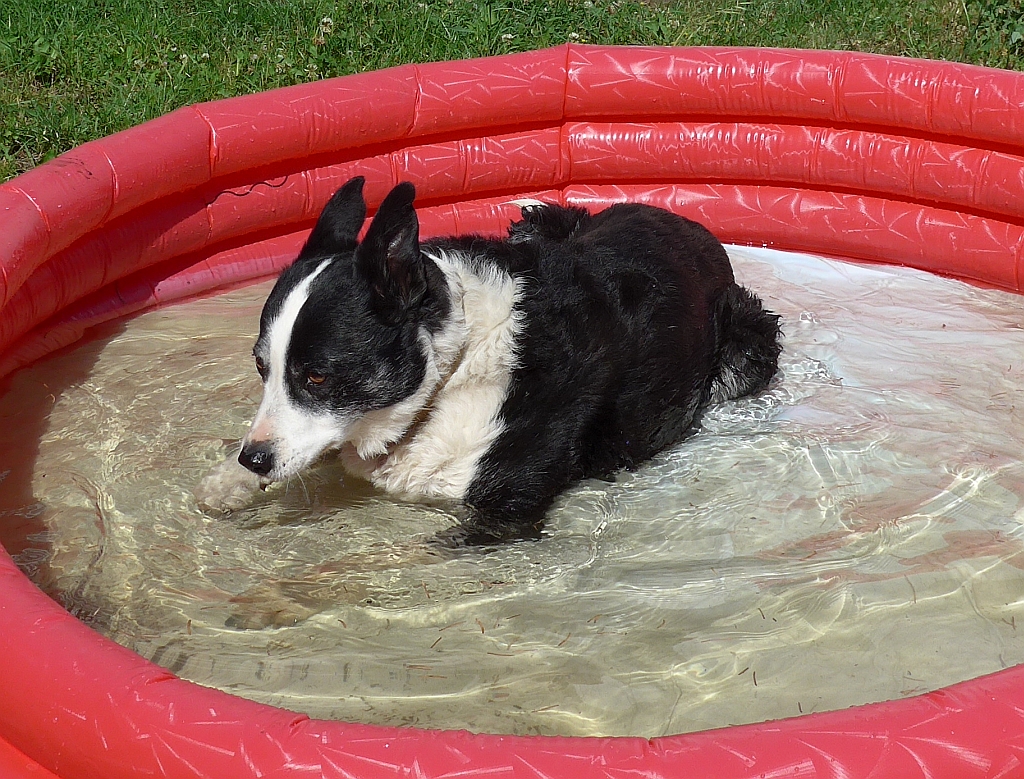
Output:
x,y
495,373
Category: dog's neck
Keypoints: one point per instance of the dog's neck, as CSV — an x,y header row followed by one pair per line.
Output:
x,y
430,445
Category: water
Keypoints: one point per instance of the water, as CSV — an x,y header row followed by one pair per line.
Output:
x,y
851,535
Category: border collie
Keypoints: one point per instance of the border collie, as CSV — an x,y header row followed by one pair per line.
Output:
x,y
495,373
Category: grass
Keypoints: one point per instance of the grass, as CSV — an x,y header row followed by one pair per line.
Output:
x,y
73,71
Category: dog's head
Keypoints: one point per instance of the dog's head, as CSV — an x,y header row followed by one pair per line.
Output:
x,y
342,333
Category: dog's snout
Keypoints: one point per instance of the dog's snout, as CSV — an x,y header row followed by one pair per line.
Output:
x,y
257,457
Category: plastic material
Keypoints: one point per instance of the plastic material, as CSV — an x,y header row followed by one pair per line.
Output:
x,y
867,157
15,765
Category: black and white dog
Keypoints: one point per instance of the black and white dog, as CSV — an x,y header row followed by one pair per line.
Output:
x,y
491,372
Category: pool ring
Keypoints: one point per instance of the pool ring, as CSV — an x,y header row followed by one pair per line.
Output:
x,y
867,157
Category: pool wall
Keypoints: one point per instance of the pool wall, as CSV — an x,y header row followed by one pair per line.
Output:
x,y
858,156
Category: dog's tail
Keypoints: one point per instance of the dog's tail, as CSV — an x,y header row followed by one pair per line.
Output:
x,y
546,221
747,354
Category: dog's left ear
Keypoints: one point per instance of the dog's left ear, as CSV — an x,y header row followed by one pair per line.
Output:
x,y
338,227
389,257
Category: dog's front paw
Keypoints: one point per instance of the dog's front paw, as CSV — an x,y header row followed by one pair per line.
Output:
x,y
228,487
477,533
268,606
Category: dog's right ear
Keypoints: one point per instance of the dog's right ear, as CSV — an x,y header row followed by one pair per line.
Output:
x,y
389,257
338,227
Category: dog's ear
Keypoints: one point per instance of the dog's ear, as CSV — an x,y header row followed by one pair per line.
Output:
x,y
389,257
339,224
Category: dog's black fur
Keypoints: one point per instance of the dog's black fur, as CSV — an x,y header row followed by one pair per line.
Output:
x,y
633,325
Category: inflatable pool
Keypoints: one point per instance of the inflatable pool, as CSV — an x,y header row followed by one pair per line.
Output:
x,y
856,156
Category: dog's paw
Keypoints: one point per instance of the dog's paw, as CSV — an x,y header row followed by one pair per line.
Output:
x,y
268,606
228,487
483,536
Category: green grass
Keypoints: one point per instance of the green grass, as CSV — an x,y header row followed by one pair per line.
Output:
x,y
73,71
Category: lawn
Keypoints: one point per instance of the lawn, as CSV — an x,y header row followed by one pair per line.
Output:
x,y
74,70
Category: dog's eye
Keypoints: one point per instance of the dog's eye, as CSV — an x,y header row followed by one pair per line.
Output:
x,y
315,378
261,367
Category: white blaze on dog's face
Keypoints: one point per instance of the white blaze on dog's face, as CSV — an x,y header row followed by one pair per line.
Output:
x,y
341,334
290,433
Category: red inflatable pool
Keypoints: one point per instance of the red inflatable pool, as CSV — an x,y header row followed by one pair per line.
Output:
x,y
858,156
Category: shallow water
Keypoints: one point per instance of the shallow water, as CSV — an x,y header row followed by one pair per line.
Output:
x,y
851,535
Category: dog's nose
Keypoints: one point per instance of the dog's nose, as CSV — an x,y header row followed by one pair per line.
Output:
x,y
257,457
